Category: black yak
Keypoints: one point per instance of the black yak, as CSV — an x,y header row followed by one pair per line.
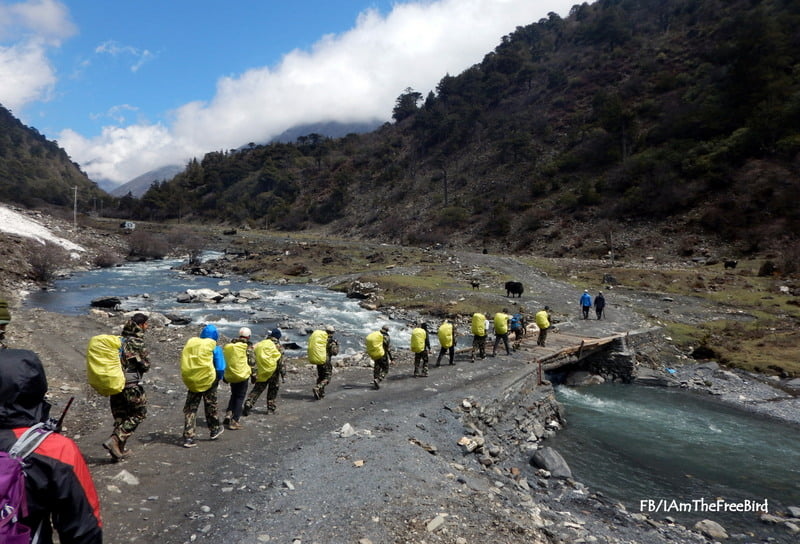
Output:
x,y
514,288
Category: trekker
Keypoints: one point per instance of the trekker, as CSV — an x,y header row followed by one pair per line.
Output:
x,y
129,407
269,372
61,496
480,327
501,325
202,368
586,303
379,350
421,348
447,341
542,319
240,366
599,304
322,346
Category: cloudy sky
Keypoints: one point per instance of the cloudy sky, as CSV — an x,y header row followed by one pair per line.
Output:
x,y
128,86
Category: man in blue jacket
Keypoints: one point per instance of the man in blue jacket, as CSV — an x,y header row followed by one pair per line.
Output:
x,y
586,303
209,397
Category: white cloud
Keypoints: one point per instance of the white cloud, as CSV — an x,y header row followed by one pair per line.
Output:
x,y
140,57
349,77
31,28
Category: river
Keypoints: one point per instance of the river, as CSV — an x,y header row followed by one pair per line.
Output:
x,y
640,444
155,286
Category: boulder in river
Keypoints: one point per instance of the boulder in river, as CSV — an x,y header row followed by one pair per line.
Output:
x,y
550,460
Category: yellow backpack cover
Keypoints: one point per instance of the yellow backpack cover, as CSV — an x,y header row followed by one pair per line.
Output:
x,y
374,343
103,365
418,340
500,323
445,334
197,364
317,343
267,357
236,368
541,319
479,324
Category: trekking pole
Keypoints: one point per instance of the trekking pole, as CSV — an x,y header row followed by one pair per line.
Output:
x,y
55,425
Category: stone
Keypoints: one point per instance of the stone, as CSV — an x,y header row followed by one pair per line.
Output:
x,y
794,511
435,523
655,378
711,529
347,431
550,460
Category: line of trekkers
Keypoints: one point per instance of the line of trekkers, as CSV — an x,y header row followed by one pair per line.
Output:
x,y
116,366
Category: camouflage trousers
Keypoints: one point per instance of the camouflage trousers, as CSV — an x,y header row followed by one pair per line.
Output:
x,y
324,373
479,343
421,363
209,399
381,368
271,386
129,409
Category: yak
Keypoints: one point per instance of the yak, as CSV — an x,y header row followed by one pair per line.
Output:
x,y
514,288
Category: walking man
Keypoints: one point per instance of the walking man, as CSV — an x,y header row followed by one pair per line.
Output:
x,y
129,407
586,303
599,305
321,348
501,325
542,319
379,350
269,372
479,326
202,368
420,347
447,341
240,366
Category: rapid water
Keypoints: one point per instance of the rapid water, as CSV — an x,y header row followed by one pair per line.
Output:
x,y
636,444
155,286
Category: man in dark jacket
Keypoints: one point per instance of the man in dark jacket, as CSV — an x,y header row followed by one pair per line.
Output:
x,y
60,491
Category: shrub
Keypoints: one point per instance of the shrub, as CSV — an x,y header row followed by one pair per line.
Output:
x,y
106,259
45,261
147,245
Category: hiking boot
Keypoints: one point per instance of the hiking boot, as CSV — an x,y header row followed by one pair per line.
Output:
x,y
316,392
271,407
112,445
234,425
215,434
189,443
424,374
228,416
246,410
376,384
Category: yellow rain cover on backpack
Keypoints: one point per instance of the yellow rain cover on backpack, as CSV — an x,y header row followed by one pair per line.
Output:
x,y
103,365
541,319
418,340
375,345
479,324
317,343
236,368
500,323
445,334
267,357
197,364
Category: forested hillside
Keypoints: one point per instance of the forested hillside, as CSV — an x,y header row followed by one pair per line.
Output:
x,y
35,171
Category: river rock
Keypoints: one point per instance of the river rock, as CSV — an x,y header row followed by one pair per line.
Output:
x,y
711,529
106,302
794,384
249,294
582,377
648,376
550,460
794,511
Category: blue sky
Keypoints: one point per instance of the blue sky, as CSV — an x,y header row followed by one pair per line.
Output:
x,y
131,85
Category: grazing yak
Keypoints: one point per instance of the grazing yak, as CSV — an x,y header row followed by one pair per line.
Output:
x,y
730,264
514,288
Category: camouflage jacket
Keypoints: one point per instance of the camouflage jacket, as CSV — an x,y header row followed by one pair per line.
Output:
x,y
135,358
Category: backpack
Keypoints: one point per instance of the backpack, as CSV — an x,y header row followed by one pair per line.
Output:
x,y
267,357
104,364
445,334
13,499
317,347
197,364
237,369
418,340
479,324
374,345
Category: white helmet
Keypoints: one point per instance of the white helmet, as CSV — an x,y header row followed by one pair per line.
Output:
x,y
244,332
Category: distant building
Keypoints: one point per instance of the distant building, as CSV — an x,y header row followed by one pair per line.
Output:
x,y
127,225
